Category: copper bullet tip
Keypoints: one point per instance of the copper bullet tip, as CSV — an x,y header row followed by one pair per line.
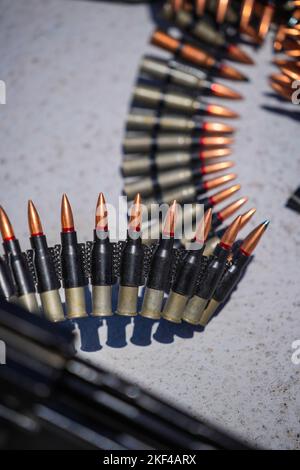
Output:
x,y
246,217
246,13
215,182
218,127
293,74
226,71
214,153
215,167
34,221
221,11
6,228
215,141
101,222
250,242
224,194
237,54
67,221
229,210
204,227
221,111
135,220
170,220
223,91
282,91
231,233
281,79
200,7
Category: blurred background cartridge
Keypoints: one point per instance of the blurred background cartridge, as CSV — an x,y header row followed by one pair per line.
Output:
x,y
160,181
73,275
185,76
17,261
212,275
132,259
149,121
187,273
234,272
47,281
154,97
188,193
102,277
139,165
203,30
164,141
195,55
160,268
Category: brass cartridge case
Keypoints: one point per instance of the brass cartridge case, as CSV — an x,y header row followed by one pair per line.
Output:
x,y
194,309
166,123
162,161
29,302
152,97
182,194
75,302
169,179
102,304
174,307
160,70
162,142
209,312
127,301
52,306
152,303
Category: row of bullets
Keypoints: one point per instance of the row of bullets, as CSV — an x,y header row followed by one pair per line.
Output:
x,y
189,300
171,148
171,151
287,45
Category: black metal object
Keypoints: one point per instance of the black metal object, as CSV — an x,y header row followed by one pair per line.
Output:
x,y
50,399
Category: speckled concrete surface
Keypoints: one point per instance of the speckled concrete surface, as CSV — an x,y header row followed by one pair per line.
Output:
x,y
69,69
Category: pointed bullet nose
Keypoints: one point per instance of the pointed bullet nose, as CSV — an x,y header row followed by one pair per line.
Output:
x,y
224,194
246,217
170,220
225,92
6,228
218,127
231,233
237,54
215,167
135,220
215,182
34,221
251,241
215,141
101,222
204,227
229,210
220,111
226,71
67,221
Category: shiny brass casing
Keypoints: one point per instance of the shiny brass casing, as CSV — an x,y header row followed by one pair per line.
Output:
x,y
101,298
75,302
208,312
174,307
52,306
127,301
29,302
194,310
152,303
